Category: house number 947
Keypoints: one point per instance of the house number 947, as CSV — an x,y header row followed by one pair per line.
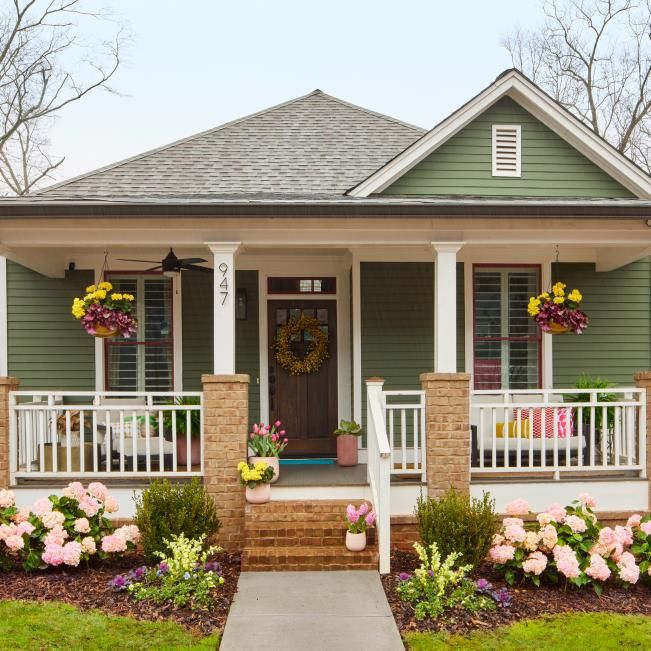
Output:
x,y
223,284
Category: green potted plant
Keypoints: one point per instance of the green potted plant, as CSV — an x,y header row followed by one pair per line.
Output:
x,y
347,434
182,430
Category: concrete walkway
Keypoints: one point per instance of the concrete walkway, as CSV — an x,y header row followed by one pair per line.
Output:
x,y
319,611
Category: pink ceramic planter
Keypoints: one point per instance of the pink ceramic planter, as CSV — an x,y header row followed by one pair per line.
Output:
x,y
355,542
258,495
347,450
270,461
182,451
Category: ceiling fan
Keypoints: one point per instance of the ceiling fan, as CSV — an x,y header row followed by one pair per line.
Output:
x,y
171,263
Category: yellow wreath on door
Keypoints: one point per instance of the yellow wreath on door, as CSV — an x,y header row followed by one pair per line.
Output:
x,y
317,351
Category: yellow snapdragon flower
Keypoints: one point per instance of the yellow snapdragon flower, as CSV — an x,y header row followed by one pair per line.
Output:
x,y
100,294
544,296
575,296
90,289
78,308
116,297
559,300
128,297
104,285
534,306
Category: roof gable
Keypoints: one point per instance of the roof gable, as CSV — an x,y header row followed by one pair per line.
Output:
x,y
550,166
537,103
313,145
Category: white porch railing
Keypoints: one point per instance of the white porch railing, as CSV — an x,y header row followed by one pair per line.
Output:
x,y
533,431
405,421
378,470
64,434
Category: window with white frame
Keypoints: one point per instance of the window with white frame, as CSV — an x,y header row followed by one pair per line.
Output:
x,y
144,362
506,341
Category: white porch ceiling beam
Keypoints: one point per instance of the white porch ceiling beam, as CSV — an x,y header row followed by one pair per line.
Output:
x,y
609,259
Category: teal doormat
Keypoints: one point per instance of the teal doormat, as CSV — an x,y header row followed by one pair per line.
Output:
x,y
307,462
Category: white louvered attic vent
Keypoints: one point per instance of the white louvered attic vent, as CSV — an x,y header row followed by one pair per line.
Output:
x,y
506,150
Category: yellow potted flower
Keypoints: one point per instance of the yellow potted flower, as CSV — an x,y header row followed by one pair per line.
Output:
x,y
257,479
558,312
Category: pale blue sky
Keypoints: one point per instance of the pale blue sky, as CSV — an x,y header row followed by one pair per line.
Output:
x,y
194,64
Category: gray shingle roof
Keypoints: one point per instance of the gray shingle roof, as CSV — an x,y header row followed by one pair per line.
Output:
x,y
313,145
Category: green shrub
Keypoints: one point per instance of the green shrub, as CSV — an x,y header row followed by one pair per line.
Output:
x,y
166,510
459,524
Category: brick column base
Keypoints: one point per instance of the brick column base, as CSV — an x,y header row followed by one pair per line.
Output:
x,y
7,384
447,426
225,428
643,381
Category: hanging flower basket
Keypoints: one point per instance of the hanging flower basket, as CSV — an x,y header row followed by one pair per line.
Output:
x,y
558,313
104,313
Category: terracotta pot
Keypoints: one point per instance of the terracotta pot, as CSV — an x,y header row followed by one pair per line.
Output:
x,y
557,329
270,461
347,450
258,495
103,332
182,451
355,542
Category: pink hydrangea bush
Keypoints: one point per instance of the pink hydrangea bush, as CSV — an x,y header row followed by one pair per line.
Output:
x,y
62,530
567,542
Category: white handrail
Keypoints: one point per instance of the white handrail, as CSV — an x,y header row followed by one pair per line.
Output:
x,y
379,469
87,438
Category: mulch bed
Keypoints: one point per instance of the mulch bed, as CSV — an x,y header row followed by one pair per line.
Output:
x,y
528,601
87,588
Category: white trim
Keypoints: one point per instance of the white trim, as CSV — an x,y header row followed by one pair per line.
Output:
x,y
4,363
518,150
335,265
547,357
100,379
357,339
541,106
177,332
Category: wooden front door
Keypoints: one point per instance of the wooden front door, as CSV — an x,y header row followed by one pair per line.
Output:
x,y
305,404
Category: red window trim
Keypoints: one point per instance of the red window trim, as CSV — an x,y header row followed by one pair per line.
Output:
x,y
169,340
537,337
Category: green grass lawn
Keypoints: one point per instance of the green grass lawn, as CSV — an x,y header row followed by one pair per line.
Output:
x,y
52,625
602,631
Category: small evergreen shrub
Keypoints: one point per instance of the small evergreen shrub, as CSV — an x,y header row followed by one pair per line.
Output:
x,y
166,510
458,524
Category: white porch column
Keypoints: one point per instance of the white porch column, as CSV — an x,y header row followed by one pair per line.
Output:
x,y
224,306
445,306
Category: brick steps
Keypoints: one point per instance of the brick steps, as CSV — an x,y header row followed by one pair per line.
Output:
x,y
301,535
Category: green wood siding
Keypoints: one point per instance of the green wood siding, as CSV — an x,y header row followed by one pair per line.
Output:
x,y
47,348
617,342
397,322
197,299
550,166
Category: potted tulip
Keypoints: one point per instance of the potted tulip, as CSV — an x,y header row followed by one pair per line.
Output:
x,y
257,479
347,434
266,443
358,521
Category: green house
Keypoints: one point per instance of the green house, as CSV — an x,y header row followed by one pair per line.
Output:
x,y
412,251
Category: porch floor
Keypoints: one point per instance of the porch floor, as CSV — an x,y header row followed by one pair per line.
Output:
x,y
321,475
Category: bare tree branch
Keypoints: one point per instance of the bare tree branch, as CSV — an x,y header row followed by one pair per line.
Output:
x,y
46,65
594,57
